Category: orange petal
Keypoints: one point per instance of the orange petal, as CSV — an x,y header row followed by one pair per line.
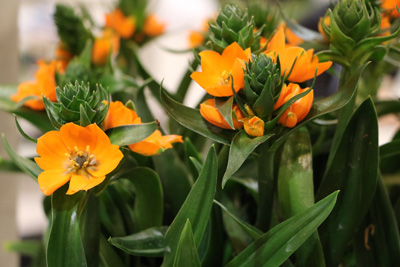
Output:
x,y
211,114
78,182
107,161
49,181
254,126
277,42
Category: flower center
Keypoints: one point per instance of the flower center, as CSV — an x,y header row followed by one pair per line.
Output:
x,y
224,79
79,162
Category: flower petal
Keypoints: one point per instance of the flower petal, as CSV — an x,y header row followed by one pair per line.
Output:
x,y
78,182
51,180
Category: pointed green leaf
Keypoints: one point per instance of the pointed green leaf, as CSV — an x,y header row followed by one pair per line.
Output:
x,y
147,243
65,247
84,120
390,149
225,109
186,253
196,208
193,155
275,246
191,119
26,165
131,134
354,171
108,256
242,146
85,58
21,131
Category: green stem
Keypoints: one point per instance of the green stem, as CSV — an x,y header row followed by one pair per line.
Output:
x,y
266,184
344,113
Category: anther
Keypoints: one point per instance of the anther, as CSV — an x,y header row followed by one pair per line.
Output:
x,y
85,164
80,153
67,155
87,148
76,148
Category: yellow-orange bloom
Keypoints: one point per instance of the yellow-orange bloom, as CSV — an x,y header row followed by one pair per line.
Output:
x,y
210,113
390,6
299,109
254,126
118,115
152,26
103,46
306,61
124,26
291,38
81,155
217,69
155,144
197,38
45,84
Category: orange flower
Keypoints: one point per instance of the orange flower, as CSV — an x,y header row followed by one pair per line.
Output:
x,y
216,70
81,155
155,144
390,6
124,26
254,126
118,115
45,84
197,38
306,62
385,25
299,109
212,115
291,38
327,22
103,46
152,26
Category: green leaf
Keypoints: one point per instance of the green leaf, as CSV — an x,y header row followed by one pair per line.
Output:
x,y
25,247
108,256
21,131
8,165
275,246
254,232
225,109
389,149
296,191
196,208
149,202
242,146
26,165
131,134
193,155
387,107
147,243
186,253
324,106
65,247
354,171
191,119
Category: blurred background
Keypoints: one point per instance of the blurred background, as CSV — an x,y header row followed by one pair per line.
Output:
x,y
27,33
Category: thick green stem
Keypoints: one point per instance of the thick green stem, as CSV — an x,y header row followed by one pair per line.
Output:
x,y
266,184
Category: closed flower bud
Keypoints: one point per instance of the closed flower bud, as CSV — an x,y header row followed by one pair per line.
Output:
x,y
262,83
78,104
253,126
233,25
210,113
299,109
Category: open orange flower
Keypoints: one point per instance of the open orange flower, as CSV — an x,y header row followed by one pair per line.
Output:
x,y
217,69
103,46
118,114
254,126
306,61
45,84
197,38
212,115
124,26
81,155
153,26
390,6
299,109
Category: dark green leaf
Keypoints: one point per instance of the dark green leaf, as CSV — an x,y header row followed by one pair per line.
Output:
x,y
196,208
387,107
24,164
242,146
108,257
186,253
191,119
225,109
390,149
354,171
275,246
193,155
65,247
131,134
147,243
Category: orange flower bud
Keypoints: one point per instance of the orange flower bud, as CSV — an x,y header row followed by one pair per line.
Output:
x,y
103,46
253,126
118,114
211,114
299,109
218,70
152,26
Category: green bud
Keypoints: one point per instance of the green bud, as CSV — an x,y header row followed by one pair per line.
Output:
x,y
233,25
262,84
78,104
